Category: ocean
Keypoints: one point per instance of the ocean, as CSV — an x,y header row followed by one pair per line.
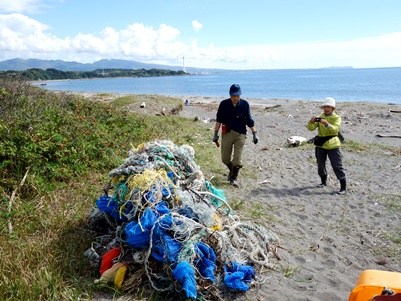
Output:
x,y
369,85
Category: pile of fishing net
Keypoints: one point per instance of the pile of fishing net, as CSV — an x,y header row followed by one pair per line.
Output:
x,y
161,222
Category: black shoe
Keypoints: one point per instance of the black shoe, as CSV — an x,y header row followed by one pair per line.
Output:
x,y
230,168
341,191
234,183
343,187
324,181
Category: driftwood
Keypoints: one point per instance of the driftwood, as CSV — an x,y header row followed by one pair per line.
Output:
x,y
388,136
10,204
272,107
394,111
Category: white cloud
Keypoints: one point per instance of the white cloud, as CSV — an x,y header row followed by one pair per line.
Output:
x,y
196,25
19,33
24,37
20,6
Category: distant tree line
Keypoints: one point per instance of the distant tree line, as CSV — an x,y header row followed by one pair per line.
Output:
x,y
52,74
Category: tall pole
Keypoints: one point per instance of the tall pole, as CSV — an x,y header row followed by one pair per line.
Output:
x,y
183,65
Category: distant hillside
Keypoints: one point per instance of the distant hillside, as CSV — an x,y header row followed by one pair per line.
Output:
x,y
22,65
53,74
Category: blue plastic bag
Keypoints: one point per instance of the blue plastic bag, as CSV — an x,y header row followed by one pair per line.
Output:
x,y
206,261
237,276
106,204
162,208
137,236
110,206
185,274
165,248
188,212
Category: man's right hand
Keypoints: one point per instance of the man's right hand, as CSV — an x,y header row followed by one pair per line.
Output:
x,y
216,136
255,138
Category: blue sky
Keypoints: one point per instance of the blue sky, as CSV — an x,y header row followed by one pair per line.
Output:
x,y
253,34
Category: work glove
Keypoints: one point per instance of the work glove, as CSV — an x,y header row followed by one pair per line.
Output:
x,y
216,136
255,138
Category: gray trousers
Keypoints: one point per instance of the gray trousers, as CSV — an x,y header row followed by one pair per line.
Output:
x,y
335,157
232,144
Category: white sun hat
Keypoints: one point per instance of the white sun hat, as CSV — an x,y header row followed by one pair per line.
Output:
x,y
329,101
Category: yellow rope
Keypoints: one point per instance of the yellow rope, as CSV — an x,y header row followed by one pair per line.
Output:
x,y
148,178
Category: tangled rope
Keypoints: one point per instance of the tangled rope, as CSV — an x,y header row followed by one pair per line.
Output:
x,y
173,228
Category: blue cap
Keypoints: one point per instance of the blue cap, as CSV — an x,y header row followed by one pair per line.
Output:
x,y
235,90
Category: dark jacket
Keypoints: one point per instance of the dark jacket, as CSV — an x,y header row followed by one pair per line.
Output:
x,y
235,117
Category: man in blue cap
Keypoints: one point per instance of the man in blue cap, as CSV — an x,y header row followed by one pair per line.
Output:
x,y
233,115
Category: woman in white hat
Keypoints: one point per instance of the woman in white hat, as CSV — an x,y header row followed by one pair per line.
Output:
x,y
328,144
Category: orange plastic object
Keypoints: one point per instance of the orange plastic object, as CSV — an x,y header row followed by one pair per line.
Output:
x,y
107,259
372,282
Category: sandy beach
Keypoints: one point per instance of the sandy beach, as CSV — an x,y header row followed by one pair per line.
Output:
x,y
326,239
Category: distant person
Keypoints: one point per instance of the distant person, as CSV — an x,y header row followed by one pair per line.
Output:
x,y
328,143
234,115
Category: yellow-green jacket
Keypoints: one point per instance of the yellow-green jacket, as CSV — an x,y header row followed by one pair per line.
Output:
x,y
333,129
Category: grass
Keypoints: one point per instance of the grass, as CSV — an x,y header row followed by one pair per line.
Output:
x,y
289,271
392,202
56,150
359,147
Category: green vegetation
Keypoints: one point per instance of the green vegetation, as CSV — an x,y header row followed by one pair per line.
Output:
x,y
56,150
359,147
52,74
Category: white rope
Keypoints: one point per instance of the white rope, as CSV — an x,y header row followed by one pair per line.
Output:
x,y
217,197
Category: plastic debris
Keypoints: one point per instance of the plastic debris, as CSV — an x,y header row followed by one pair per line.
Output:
x,y
119,276
160,215
107,259
185,274
238,276
109,275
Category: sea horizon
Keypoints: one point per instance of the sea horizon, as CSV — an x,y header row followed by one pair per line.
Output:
x,y
382,85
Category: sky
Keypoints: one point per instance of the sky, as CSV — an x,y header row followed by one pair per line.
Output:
x,y
235,34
